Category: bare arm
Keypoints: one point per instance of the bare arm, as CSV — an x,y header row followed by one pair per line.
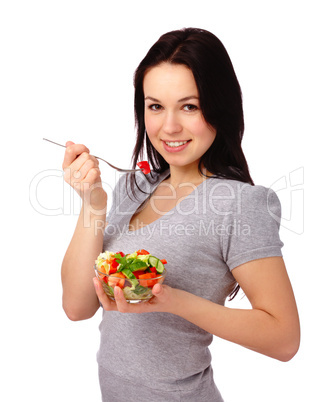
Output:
x,y
271,327
82,173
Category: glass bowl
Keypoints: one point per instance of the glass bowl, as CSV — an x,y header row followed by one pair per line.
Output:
x,y
135,290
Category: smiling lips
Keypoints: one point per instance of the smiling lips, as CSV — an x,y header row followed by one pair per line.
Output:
x,y
175,146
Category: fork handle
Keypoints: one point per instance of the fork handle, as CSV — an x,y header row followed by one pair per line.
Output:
x,y
56,143
109,164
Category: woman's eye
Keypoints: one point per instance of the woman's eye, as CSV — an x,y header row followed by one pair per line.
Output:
x,y
155,107
190,108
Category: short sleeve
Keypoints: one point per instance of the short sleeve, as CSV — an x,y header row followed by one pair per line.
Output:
x,y
253,227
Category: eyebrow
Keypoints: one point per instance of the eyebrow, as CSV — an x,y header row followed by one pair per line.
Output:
x,y
180,100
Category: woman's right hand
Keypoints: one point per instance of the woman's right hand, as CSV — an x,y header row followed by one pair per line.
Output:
x,y
81,171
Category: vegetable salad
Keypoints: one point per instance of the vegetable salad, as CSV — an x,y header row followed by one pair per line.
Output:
x,y
134,273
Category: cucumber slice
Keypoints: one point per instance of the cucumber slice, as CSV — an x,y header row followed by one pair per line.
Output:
x,y
160,267
138,266
139,290
132,278
155,262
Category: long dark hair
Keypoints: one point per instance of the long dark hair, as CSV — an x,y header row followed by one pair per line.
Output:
x,y
220,100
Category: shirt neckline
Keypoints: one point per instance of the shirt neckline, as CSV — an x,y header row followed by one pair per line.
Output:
x,y
162,177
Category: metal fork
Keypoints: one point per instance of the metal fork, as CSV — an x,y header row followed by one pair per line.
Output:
x,y
109,164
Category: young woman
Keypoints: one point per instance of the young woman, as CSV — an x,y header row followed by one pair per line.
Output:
x,y
201,212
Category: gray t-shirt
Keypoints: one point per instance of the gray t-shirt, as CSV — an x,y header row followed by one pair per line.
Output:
x,y
220,225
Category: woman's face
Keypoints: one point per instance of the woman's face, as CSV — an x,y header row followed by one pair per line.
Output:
x,y
173,119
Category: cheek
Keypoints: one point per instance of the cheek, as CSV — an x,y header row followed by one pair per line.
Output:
x,y
204,132
150,125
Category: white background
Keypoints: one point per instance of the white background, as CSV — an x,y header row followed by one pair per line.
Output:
x,y
66,73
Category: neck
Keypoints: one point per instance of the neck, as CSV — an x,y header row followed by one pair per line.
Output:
x,y
180,175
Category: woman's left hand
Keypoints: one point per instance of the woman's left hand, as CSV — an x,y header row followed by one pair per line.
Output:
x,y
164,300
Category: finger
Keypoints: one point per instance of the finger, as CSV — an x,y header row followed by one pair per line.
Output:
x,y
93,177
72,152
85,185
82,166
74,169
121,303
161,293
78,169
107,304
157,289
68,143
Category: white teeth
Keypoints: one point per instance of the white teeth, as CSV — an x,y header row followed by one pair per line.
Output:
x,y
175,143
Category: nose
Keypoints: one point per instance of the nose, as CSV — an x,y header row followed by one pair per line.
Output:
x,y
171,123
